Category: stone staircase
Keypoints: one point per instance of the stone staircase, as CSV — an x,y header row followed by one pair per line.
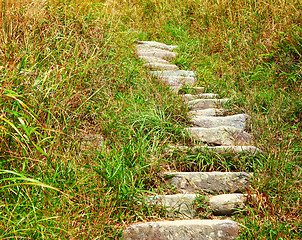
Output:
x,y
223,192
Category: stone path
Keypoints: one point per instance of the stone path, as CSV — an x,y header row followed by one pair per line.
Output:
x,y
223,192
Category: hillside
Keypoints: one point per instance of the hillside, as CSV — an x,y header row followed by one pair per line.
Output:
x,y
84,125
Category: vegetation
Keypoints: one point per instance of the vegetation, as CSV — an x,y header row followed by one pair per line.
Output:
x,y
68,70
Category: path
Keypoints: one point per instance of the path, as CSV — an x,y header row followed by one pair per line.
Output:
x,y
224,190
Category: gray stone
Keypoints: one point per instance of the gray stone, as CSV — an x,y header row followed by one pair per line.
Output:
x,y
172,81
154,52
153,60
219,149
237,121
184,205
189,97
207,112
197,90
190,182
161,66
157,45
177,206
183,230
158,63
92,142
224,135
201,104
228,204
178,73
234,149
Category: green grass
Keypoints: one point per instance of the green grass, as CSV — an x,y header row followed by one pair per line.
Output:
x,y
68,69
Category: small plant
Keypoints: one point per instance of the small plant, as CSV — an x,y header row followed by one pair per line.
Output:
x,y
202,206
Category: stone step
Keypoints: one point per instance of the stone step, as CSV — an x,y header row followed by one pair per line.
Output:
x,y
237,121
207,112
92,141
177,205
189,97
213,182
228,204
219,149
143,51
153,60
223,135
178,73
157,45
183,230
201,104
184,205
161,66
197,90
173,81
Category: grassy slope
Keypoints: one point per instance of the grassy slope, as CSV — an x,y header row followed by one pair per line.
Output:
x,y
69,69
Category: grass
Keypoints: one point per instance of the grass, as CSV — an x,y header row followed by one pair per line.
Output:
x,y
68,70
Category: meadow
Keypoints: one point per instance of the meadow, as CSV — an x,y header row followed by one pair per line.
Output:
x,y
68,69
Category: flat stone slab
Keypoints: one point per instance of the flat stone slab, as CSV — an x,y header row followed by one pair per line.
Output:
x,y
178,73
153,60
189,97
228,204
173,81
201,104
237,121
213,182
219,149
235,149
161,66
223,135
184,205
92,141
157,45
177,206
197,90
143,51
183,230
210,112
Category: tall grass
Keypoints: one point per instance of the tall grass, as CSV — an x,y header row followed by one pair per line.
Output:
x,y
68,70
251,51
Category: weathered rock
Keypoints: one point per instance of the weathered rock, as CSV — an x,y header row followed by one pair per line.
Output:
x,y
207,112
178,80
190,182
235,149
157,45
183,230
92,141
224,135
154,52
189,97
227,204
178,73
220,149
154,60
200,104
161,66
177,206
197,90
237,121
184,205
